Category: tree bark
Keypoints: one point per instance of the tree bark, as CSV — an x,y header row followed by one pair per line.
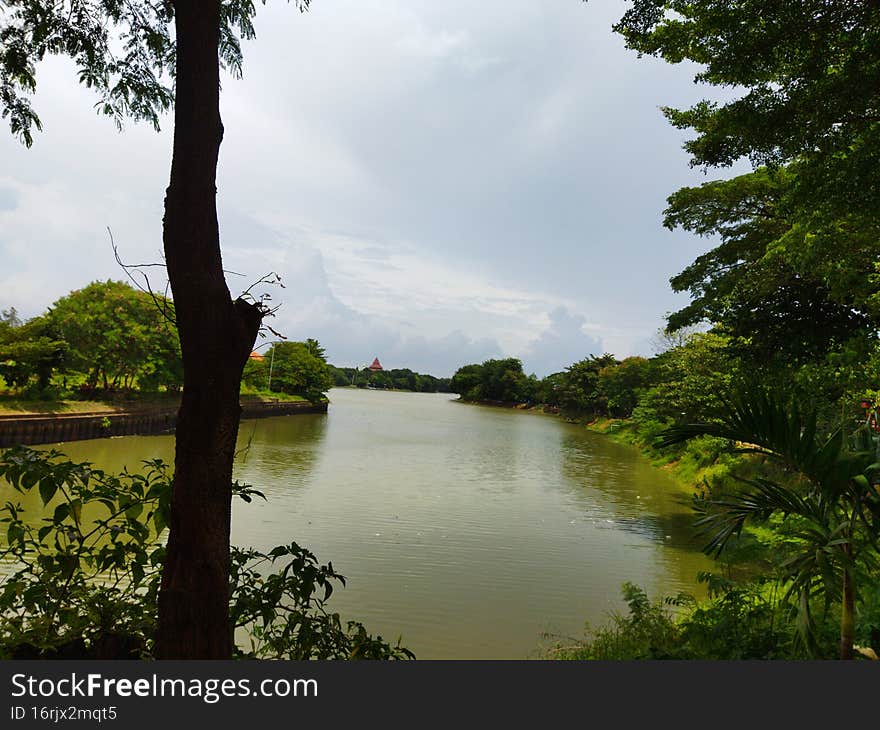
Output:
x,y
216,336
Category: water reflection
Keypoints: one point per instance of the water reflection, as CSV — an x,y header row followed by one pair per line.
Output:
x,y
469,530
279,454
636,495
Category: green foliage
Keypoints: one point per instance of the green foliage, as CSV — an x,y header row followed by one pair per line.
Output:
x,y
620,385
315,349
499,381
89,573
578,389
737,622
807,73
285,614
297,368
119,337
125,52
255,376
28,350
396,378
86,579
776,300
833,510
548,389
795,280
689,380
647,632
467,381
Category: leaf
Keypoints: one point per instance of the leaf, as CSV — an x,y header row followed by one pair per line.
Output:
x,y
62,512
48,488
29,478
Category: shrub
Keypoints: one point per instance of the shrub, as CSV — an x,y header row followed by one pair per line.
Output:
x,y
738,621
86,580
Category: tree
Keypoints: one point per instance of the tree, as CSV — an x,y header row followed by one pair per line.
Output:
x,y
314,347
835,507
216,332
621,385
10,318
578,388
495,380
810,75
689,380
466,380
801,235
757,285
118,336
297,370
87,590
29,349
504,380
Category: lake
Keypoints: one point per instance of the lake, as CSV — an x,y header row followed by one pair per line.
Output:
x,y
468,530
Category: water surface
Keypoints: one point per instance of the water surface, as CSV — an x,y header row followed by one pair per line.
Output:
x,y
469,530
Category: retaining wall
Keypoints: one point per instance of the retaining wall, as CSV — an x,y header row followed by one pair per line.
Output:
x,y
47,429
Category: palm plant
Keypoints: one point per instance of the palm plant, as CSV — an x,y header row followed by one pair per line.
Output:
x,y
830,499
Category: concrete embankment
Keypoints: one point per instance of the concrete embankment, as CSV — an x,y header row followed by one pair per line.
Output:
x,y
41,428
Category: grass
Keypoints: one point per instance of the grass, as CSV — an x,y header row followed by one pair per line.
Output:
x,y
271,398
15,405
10,406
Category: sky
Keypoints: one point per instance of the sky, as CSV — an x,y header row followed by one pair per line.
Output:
x,y
435,183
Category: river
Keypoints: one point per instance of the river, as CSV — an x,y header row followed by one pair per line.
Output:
x,y
468,530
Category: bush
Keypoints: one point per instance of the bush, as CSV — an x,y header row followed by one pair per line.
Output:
x,y
748,621
647,632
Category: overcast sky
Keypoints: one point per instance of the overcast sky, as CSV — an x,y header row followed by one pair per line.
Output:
x,y
436,183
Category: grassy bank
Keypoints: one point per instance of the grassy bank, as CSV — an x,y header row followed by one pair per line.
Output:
x,y
19,406
697,462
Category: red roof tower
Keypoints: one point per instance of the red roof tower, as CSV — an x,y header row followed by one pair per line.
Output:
x,y
376,366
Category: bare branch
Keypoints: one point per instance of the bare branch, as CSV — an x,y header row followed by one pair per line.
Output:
x,y
161,303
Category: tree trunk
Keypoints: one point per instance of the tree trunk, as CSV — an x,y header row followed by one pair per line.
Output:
x,y
847,611
216,336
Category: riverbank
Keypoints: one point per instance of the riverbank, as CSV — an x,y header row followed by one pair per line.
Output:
x,y
540,407
140,419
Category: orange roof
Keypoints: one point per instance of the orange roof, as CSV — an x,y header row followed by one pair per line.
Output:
x,y
255,355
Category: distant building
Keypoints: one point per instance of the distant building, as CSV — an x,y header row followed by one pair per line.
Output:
x,y
376,366
256,356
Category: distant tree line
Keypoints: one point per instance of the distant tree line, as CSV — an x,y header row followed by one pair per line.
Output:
x,y
394,379
595,385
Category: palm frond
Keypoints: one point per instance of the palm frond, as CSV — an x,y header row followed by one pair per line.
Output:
x,y
756,421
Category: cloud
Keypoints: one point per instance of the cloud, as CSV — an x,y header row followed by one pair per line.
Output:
x,y
8,196
309,306
441,182
564,342
442,356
